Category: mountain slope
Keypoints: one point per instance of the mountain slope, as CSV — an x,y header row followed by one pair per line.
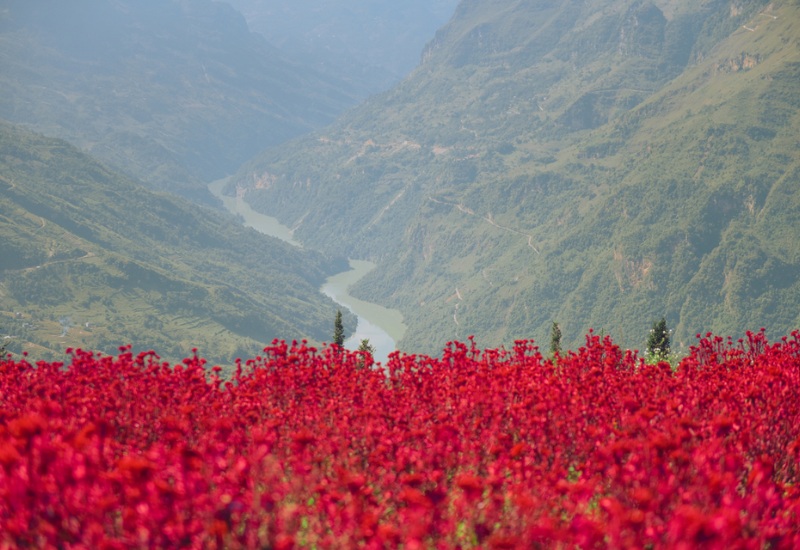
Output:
x,y
90,259
598,164
173,93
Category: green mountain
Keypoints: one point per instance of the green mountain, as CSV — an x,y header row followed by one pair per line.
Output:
x,y
172,93
599,164
90,259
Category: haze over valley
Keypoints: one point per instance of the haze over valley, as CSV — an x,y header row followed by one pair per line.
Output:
x,y
504,164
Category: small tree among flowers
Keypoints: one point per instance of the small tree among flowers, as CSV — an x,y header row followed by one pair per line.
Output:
x,y
658,345
338,329
555,339
366,350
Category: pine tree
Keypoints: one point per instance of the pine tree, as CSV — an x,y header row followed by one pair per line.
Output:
x,y
366,346
555,339
338,329
658,341
368,351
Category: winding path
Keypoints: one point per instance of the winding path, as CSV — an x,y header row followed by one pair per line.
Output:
x,y
488,219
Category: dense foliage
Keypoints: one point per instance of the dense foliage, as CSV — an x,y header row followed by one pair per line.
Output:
x,y
494,448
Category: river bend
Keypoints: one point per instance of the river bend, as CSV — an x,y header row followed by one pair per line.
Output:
x,y
382,326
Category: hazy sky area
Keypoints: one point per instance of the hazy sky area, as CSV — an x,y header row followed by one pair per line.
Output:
x,y
371,43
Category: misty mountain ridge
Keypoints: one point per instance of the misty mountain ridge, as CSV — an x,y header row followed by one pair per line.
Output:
x,y
371,45
599,164
173,93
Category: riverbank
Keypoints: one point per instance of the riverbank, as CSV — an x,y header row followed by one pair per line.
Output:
x,y
260,222
383,327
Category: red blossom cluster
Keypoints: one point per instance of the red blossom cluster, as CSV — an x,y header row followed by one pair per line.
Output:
x,y
478,449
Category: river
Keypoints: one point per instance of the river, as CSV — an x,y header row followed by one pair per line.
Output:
x,y
382,326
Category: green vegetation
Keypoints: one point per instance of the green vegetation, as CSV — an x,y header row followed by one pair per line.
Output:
x,y
92,260
600,163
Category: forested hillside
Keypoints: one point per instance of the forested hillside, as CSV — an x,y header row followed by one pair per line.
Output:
x,y
175,94
93,260
598,164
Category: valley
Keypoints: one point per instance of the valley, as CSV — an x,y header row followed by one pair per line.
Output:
x,y
607,165
383,327
600,165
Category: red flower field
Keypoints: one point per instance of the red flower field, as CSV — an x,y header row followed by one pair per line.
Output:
x,y
315,448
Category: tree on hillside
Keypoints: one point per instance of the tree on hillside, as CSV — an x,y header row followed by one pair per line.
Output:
x,y
338,329
555,339
658,341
